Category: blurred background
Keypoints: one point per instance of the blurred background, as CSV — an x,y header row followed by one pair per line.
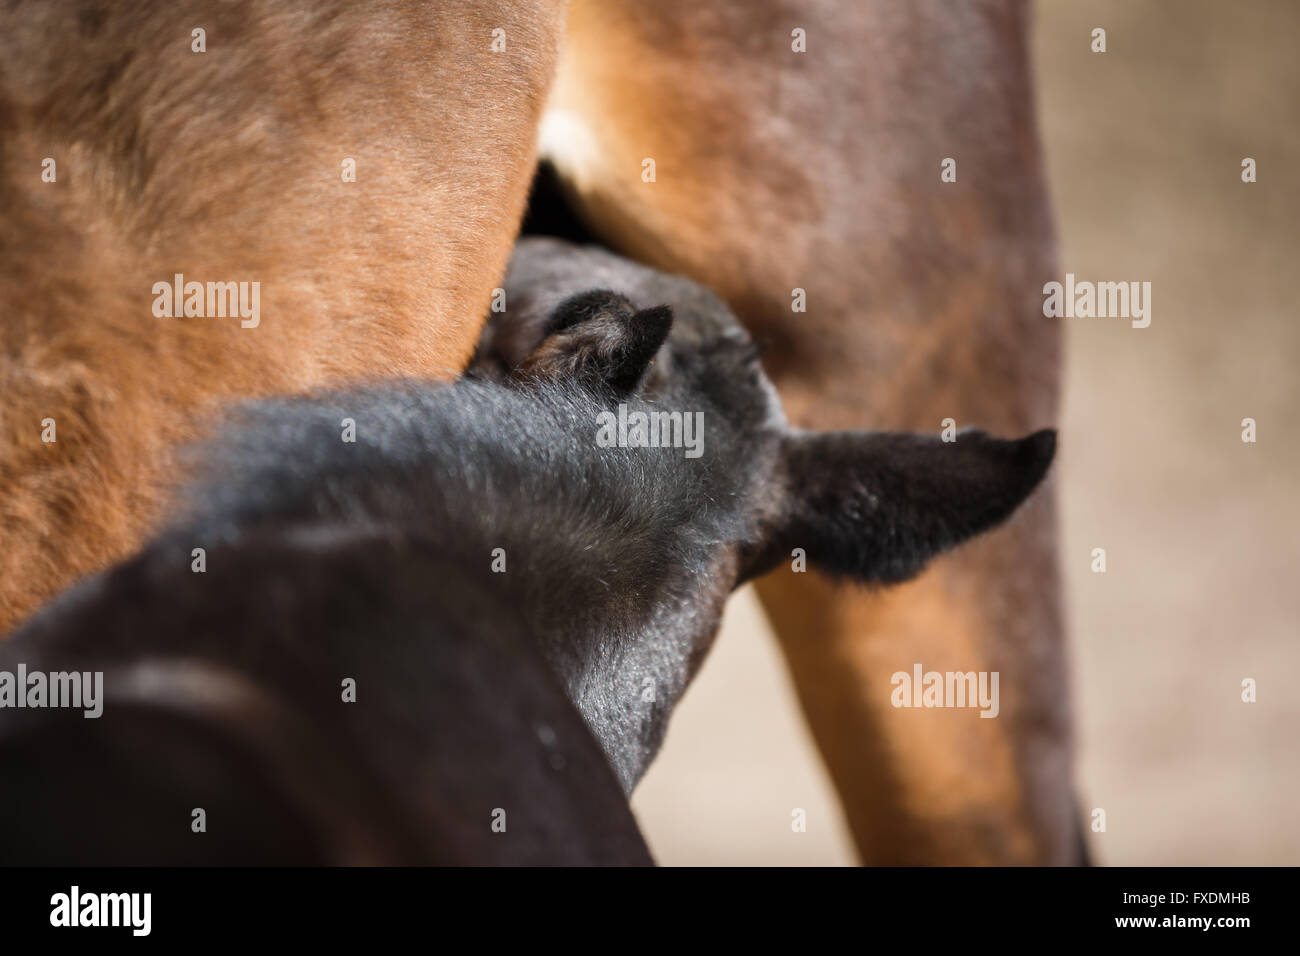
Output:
x,y
1144,146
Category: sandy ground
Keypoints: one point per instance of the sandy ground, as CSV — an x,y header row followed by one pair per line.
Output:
x,y
1201,531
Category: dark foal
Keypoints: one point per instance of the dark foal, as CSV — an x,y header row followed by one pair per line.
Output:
x,y
458,637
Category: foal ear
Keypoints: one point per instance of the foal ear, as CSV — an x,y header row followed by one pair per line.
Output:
x,y
878,505
600,339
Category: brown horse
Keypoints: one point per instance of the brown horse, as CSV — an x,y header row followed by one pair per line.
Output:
x,y
795,154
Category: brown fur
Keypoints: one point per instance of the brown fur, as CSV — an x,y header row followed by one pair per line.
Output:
x,y
774,170
226,166
820,170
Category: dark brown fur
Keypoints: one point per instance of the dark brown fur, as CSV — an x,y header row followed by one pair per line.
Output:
x,y
375,560
820,170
